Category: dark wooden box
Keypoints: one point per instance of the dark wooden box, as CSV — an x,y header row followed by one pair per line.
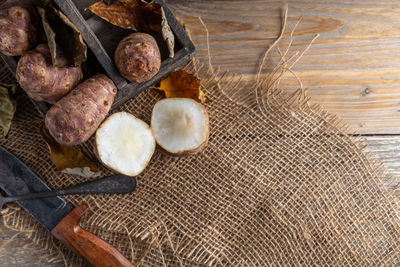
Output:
x,y
102,39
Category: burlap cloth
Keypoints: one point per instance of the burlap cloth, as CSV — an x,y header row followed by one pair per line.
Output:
x,y
279,183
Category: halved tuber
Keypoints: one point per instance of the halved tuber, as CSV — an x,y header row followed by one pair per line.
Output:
x,y
180,125
124,143
17,33
43,82
137,57
75,118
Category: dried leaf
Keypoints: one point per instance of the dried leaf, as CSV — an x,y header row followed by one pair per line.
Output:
x,y
137,15
84,172
8,106
182,84
151,17
69,159
66,45
167,34
120,14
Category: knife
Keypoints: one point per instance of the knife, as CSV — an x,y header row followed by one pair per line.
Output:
x,y
56,215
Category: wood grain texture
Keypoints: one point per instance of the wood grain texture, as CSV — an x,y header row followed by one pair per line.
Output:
x,y
17,250
386,149
352,69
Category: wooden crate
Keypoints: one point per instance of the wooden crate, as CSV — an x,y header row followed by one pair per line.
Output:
x,y
102,39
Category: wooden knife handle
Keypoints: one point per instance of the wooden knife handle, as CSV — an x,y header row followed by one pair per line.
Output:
x,y
91,248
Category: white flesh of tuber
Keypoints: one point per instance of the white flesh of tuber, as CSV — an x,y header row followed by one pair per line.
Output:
x,y
180,125
125,143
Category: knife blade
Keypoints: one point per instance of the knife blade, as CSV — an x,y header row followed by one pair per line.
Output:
x,y
17,179
55,214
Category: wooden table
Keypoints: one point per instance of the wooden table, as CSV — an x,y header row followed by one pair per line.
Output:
x,y
352,69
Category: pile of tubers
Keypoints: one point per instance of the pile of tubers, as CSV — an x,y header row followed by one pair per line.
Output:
x,y
123,142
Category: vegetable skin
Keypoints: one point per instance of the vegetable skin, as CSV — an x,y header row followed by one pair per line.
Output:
x,y
43,82
137,57
76,117
17,31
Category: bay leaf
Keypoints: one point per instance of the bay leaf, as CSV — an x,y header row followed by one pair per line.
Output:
x,y
8,106
167,34
183,84
69,159
66,44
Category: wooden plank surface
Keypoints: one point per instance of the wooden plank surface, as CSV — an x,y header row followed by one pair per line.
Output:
x,y
16,250
386,148
352,69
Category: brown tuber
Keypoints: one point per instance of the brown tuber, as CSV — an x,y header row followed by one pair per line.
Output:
x,y
137,57
43,82
17,33
75,118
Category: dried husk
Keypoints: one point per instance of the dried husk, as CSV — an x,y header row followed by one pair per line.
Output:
x,y
66,44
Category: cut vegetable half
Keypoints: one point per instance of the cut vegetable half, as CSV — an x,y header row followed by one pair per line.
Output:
x,y
180,125
125,143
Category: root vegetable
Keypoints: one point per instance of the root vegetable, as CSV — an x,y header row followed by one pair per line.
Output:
x,y
180,125
17,33
137,57
124,143
75,118
43,82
